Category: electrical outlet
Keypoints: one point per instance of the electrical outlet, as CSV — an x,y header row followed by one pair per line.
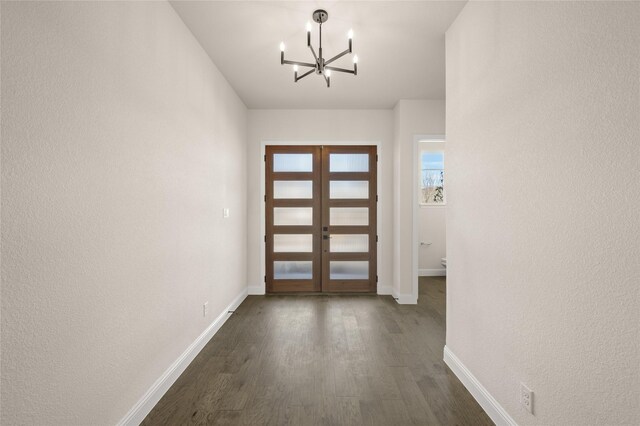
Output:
x,y
204,309
526,398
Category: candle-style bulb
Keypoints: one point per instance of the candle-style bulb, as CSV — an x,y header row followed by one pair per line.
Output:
x,y
282,47
295,68
350,34
308,26
327,73
355,59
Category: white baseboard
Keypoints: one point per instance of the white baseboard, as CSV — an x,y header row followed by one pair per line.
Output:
x,y
404,299
432,272
256,290
384,290
493,409
139,411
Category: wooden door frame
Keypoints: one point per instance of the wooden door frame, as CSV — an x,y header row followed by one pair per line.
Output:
x,y
383,288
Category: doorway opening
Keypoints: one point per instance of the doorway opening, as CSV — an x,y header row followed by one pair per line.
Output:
x,y
320,219
429,218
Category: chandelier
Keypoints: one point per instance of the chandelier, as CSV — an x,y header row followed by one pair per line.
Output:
x,y
320,65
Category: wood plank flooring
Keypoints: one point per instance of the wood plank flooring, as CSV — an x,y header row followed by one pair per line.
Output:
x,y
324,360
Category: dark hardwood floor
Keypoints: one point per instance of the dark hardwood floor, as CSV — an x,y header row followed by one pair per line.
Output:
x,y
324,360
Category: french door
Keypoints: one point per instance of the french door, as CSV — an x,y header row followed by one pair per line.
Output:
x,y
321,219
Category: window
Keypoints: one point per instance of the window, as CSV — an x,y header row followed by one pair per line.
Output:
x,y
432,176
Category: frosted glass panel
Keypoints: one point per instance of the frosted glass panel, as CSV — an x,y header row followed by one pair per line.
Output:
x,y
349,162
292,162
349,216
293,216
347,243
292,270
292,243
349,270
292,189
349,189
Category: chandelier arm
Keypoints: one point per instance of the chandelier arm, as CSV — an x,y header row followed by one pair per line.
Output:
x,y
327,80
302,64
314,53
341,70
304,75
338,56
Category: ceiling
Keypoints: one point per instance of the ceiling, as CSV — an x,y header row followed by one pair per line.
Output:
x,y
400,47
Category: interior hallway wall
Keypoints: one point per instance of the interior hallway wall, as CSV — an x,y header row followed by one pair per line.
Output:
x,y
121,145
543,160
432,229
412,118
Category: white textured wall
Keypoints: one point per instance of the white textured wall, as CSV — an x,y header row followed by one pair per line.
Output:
x,y
322,127
432,228
412,118
121,144
543,165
